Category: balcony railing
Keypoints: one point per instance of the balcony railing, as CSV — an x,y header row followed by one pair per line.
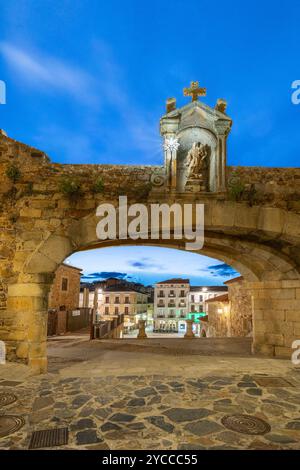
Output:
x,y
160,295
160,316
171,295
172,305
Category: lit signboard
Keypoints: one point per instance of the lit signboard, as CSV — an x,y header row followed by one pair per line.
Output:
x,y
196,317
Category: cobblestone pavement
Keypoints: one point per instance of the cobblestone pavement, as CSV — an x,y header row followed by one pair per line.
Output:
x,y
158,411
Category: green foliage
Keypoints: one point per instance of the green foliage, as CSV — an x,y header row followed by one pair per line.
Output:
x,y
251,195
98,186
236,188
13,173
70,187
144,190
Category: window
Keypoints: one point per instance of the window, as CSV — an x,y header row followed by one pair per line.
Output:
x,y
192,298
200,298
126,311
107,300
116,310
182,294
106,310
126,300
64,284
117,300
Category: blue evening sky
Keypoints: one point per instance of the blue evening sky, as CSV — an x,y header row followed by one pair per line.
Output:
x,y
87,80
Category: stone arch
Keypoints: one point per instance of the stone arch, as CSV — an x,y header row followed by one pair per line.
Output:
x,y
257,242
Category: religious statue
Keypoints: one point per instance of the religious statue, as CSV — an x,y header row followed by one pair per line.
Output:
x,y
196,160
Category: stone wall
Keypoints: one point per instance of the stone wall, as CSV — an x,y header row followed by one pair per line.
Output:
x,y
68,299
218,318
278,187
42,222
276,316
240,308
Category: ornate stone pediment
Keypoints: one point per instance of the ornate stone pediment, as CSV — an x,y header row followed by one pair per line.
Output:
x,y
199,162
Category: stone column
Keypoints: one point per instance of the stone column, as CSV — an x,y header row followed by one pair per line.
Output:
x,y
276,316
142,333
189,329
170,161
95,305
27,315
86,297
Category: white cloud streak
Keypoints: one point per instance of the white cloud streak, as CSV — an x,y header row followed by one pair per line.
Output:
x,y
48,73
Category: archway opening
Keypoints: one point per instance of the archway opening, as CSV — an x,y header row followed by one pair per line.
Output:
x,y
114,289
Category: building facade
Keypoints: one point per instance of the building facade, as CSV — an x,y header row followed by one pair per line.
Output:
x,y
116,300
198,296
64,293
231,314
170,305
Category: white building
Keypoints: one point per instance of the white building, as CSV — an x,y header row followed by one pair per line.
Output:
x,y
170,305
198,295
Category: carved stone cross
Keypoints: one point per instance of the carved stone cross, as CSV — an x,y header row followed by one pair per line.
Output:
x,y
194,91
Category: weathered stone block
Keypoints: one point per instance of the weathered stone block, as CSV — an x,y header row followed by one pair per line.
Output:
x,y
281,351
264,349
30,212
274,315
293,315
275,339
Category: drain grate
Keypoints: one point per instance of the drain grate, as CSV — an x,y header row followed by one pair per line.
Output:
x,y
10,424
272,381
49,438
246,424
7,398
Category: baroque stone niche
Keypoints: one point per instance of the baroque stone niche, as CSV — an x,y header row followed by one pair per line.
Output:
x,y
195,146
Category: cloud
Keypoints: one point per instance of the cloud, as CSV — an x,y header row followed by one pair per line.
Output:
x,y
49,73
126,129
223,270
105,275
144,264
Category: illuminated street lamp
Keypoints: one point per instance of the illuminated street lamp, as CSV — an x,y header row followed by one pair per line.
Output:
x,y
170,146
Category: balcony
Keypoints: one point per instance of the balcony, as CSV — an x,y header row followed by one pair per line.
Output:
x,y
172,305
171,295
171,316
160,295
160,305
160,316
182,304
